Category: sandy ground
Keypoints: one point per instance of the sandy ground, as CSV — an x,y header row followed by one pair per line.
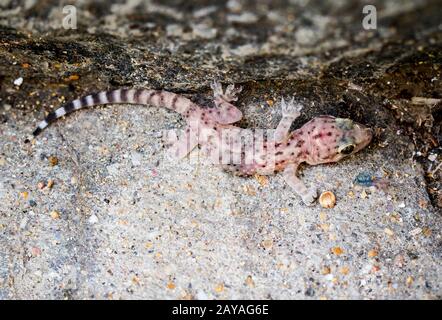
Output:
x,y
123,221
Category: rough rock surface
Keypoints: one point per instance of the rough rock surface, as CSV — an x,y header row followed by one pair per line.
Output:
x,y
122,220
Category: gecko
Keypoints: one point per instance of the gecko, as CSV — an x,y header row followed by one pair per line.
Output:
x,y
323,139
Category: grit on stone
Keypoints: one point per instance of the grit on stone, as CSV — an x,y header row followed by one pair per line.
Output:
x,y
95,208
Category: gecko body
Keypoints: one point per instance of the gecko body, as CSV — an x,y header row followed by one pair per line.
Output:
x,y
323,139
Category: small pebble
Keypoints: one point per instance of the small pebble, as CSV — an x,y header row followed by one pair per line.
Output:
x,y
364,179
53,161
93,219
415,232
249,281
55,215
50,183
389,232
372,253
18,81
219,287
171,285
23,223
337,251
32,203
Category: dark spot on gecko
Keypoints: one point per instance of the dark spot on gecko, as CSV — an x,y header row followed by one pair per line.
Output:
x,y
151,96
174,100
317,136
278,153
300,143
123,95
329,134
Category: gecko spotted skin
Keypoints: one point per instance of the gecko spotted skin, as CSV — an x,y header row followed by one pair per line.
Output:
x,y
323,139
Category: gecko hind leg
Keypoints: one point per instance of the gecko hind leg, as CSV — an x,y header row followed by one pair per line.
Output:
x,y
225,112
290,111
308,195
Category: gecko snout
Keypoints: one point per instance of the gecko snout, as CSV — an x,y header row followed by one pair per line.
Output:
x,y
362,136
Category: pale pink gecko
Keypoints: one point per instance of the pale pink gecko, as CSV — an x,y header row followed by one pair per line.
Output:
x,y
323,139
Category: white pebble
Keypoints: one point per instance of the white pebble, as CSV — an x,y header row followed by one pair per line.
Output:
x,y
18,81
432,157
23,223
415,232
93,219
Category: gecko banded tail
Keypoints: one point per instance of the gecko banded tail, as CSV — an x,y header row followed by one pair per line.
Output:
x,y
156,98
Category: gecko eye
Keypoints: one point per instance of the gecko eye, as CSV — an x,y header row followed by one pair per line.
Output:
x,y
347,149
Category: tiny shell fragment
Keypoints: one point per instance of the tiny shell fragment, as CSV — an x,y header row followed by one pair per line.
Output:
x,y
50,183
344,270
327,199
337,251
55,215
249,281
219,287
372,253
53,161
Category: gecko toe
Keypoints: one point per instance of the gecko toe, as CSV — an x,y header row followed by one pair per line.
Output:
x,y
310,198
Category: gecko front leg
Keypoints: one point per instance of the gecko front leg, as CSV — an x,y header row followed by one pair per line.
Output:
x,y
225,112
290,111
308,195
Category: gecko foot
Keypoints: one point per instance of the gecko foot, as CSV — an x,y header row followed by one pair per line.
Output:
x,y
229,95
291,108
310,197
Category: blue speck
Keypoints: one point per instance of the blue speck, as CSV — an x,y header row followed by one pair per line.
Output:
x,y
364,179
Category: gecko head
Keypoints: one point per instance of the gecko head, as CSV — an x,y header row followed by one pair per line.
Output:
x,y
354,137
338,139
